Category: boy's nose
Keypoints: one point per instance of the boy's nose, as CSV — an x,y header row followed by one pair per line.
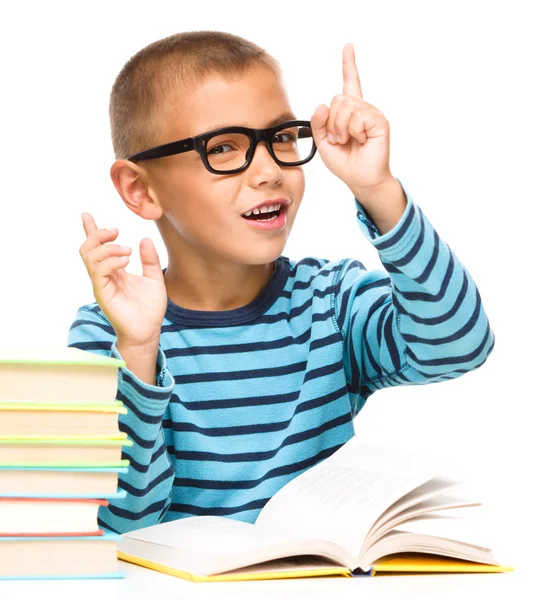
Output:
x,y
263,158
263,166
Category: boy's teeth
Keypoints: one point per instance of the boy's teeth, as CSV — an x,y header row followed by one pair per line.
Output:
x,y
263,209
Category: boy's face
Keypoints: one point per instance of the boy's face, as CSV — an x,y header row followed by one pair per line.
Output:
x,y
203,210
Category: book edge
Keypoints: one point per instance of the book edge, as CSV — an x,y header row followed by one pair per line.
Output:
x,y
343,571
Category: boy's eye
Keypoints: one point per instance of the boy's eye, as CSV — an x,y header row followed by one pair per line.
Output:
x,y
289,137
217,149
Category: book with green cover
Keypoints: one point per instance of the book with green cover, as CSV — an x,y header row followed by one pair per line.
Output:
x,y
57,375
56,355
73,451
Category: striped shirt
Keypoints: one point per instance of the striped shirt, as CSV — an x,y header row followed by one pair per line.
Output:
x,y
247,399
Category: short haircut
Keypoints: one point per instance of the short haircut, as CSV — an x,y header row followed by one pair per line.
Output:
x,y
181,61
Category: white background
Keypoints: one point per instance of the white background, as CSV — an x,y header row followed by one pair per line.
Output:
x,y
454,81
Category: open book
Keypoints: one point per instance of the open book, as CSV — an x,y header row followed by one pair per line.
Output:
x,y
363,510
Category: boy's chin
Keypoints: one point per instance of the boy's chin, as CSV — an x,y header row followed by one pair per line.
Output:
x,y
262,254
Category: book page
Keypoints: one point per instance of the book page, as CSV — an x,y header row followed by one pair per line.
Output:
x,y
216,536
466,525
340,498
459,533
436,487
429,508
209,544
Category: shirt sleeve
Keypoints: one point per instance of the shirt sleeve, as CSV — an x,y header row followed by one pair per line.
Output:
x,y
150,476
421,322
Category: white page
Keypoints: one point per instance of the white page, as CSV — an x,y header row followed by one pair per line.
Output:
x,y
215,536
431,506
340,498
438,486
467,525
211,544
427,496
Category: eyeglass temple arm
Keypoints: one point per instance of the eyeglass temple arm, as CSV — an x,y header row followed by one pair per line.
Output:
x,y
164,150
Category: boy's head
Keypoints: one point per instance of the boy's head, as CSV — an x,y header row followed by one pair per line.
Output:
x,y
183,86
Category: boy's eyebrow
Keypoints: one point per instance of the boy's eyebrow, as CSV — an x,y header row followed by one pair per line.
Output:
x,y
287,116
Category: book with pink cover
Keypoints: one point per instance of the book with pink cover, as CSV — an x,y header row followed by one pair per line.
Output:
x,y
43,516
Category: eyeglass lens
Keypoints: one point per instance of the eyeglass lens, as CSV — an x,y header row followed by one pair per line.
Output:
x,y
229,151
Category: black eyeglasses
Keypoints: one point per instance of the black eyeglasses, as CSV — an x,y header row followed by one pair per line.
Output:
x,y
290,144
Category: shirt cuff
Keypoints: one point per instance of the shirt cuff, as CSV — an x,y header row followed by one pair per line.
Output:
x,y
393,243
143,392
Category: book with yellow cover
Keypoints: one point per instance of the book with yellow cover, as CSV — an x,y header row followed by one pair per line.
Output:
x,y
42,419
365,510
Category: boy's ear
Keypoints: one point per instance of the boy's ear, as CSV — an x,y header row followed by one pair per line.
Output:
x,y
130,181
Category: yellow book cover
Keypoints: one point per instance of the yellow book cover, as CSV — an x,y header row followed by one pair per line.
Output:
x,y
313,566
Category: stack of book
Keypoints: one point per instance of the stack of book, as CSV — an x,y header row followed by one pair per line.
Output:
x,y
60,460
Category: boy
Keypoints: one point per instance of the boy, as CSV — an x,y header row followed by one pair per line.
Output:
x,y
244,367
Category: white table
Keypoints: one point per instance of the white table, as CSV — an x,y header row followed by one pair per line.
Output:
x,y
144,584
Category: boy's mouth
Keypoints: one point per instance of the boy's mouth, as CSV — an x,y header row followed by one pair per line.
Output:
x,y
271,220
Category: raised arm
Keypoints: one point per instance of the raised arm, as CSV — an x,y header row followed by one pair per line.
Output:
x,y
421,322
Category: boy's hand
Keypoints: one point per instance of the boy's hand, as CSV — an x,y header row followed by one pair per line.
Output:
x,y
134,305
361,157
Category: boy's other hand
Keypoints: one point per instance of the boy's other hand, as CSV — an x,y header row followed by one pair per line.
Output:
x,y
134,304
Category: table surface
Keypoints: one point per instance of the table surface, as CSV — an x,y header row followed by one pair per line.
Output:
x,y
144,584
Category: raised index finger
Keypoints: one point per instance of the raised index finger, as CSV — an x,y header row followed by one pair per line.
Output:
x,y
351,80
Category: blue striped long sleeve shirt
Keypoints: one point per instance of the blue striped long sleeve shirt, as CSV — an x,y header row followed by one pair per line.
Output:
x,y
247,399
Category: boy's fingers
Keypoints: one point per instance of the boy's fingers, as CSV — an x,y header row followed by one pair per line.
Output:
x,y
113,263
104,251
150,260
318,123
96,238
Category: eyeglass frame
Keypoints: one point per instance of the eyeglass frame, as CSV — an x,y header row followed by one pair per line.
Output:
x,y
199,143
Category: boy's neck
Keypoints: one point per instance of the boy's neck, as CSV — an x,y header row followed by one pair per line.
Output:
x,y
198,286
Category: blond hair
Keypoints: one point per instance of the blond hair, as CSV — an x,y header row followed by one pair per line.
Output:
x,y
181,61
